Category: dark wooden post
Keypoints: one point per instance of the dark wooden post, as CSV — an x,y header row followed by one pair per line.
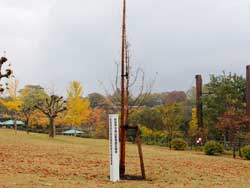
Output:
x,y
248,90
199,100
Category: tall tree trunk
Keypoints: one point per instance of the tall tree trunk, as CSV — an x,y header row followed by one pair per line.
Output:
x,y
240,147
51,128
27,126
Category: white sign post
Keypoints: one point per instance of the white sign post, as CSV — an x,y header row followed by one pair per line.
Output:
x,y
114,147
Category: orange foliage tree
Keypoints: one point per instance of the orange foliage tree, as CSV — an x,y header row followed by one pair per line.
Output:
x,y
97,122
230,125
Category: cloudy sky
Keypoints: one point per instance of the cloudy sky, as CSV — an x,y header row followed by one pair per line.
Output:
x,y
52,42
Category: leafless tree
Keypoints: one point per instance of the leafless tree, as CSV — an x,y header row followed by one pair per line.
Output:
x,y
7,73
51,107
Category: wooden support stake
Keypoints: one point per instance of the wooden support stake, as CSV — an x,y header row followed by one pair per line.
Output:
x,y
138,141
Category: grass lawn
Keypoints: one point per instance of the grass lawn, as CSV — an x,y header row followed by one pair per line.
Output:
x,y
36,161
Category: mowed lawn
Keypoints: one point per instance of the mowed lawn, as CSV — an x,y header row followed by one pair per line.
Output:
x,y
36,161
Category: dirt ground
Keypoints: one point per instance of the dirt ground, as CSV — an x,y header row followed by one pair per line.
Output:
x,y
67,162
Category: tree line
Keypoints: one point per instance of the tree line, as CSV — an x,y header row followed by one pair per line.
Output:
x,y
161,116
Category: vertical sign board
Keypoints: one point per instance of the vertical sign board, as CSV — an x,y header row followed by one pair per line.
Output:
x,y
114,147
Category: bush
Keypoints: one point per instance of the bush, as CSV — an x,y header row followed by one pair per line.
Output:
x,y
213,148
246,152
179,144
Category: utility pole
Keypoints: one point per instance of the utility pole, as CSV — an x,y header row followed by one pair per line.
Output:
x,y
122,128
248,90
199,100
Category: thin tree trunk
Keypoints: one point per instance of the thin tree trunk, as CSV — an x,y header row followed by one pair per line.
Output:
x,y
15,126
27,124
224,140
191,144
170,140
234,150
54,129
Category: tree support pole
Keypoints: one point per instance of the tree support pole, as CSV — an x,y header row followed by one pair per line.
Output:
x,y
122,129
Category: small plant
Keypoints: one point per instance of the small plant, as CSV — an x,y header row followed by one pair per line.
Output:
x,y
179,144
246,152
213,148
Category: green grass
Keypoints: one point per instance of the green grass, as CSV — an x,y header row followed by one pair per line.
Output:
x,y
36,161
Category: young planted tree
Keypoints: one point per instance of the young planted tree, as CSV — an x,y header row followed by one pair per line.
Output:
x,y
123,102
51,107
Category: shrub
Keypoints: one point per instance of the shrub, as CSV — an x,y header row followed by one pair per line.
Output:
x,y
246,152
213,148
179,144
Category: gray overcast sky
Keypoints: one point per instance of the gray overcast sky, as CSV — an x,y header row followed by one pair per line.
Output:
x,y
57,41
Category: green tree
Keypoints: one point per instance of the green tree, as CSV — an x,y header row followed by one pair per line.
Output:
x,y
154,99
97,100
223,92
30,95
148,117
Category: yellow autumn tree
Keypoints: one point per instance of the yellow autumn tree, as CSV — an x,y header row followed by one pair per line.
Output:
x,y
77,106
193,126
12,102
